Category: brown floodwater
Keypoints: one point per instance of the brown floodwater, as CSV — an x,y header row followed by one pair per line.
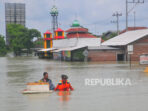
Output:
x,y
16,72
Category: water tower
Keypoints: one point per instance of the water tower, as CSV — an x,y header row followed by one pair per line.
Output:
x,y
54,13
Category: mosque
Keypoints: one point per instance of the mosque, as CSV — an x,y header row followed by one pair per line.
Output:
x,y
71,44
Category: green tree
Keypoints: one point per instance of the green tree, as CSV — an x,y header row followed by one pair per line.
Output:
x,y
39,43
108,35
3,50
32,33
21,37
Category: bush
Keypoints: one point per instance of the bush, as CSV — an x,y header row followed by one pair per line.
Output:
x,y
3,50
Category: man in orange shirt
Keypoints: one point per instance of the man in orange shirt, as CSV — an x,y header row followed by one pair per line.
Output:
x,y
64,85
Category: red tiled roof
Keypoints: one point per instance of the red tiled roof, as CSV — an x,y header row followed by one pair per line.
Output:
x,y
77,30
47,32
133,28
81,35
59,30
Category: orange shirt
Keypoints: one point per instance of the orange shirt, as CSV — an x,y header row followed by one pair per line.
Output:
x,y
63,87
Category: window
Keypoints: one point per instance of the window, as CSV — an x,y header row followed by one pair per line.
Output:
x,y
48,35
59,33
48,44
120,57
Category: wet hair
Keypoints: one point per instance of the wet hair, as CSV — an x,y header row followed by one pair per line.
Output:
x,y
45,73
64,76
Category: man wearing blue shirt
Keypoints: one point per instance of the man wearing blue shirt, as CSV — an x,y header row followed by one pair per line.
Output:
x,y
46,79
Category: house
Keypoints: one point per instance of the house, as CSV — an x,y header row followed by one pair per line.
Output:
x,y
73,49
103,53
132,29
138,39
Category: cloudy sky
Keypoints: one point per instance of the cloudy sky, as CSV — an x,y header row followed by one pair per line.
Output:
x,y
93,14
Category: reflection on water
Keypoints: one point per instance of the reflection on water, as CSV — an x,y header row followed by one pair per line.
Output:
x,y
37,97
64,95
16,72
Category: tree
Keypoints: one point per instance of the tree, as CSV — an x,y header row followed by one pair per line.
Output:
x,y
32,33
3,50
21,37
39,43
108,35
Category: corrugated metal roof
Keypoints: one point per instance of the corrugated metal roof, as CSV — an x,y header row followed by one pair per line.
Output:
x,y
63,43
48,49
126,38
102,48
69,48
73,42
133,28
89,42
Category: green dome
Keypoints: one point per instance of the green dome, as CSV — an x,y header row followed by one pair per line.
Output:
x,y
76,23
54,10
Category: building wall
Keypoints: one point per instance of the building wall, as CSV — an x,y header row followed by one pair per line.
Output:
x,y
140,47
96,55
57,55
14,14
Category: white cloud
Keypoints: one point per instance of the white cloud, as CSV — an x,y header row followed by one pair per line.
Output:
x,y
89,12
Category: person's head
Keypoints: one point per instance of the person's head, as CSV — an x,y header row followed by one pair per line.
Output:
x,y
64,78
45,75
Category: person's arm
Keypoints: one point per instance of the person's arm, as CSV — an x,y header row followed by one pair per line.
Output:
x,y
71,88
57,88
51,85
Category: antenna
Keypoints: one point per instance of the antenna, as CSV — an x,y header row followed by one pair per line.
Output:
x,y
54,14
76,16
54,2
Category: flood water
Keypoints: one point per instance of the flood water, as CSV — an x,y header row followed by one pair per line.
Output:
x,y
16,72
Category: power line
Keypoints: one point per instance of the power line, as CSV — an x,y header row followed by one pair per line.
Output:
x,y
134,19
135,2
117,15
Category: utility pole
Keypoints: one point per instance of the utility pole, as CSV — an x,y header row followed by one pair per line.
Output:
x,y
126,15
117,14
134,19
135,2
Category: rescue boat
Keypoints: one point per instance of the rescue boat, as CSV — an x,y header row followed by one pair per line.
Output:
x,y
37,87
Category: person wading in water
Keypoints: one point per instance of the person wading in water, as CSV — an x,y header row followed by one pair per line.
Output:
x,y
64,84
47,80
